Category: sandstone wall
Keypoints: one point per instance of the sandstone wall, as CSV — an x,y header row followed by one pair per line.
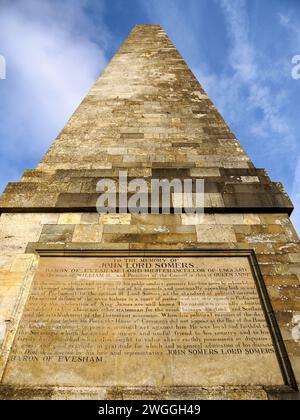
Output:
x,y
271,236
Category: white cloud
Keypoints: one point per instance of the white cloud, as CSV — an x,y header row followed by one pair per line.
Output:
x,y
292,27
53,58
289,22
242,56
248,86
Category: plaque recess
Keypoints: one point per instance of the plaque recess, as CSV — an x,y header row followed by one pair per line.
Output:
x,y
148,318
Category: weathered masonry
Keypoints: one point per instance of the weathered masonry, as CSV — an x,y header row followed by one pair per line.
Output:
x,y
160,306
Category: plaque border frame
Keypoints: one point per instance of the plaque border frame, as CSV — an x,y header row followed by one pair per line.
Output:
x,y
276,336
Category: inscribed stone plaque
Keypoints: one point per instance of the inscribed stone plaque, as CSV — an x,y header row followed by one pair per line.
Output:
x,y
143,321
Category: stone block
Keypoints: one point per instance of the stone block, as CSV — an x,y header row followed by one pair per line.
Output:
x,y
213,234
50,219
115,219
57,233
156,219
205,172
192,219
229,219
158,238
251,219
87,233
21,263
90,219
250,179
6,262
21,218
69,219
216,200
11,233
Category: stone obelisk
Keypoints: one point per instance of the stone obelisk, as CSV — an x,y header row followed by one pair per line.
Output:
x,y
148,305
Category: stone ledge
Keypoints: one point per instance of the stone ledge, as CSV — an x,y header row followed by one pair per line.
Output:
x,y
147,393
92,209
140,393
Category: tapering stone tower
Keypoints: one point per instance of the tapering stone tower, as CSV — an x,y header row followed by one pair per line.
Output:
x,y
163,306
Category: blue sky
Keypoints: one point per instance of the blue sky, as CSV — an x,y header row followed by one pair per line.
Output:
x,y
240,50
